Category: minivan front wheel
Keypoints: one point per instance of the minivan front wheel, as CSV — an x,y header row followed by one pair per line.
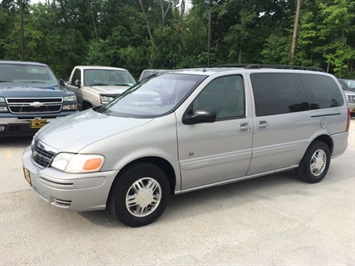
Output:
x,y
139,195
315,163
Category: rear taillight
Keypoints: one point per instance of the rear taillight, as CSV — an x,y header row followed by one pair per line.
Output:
x,y
348,122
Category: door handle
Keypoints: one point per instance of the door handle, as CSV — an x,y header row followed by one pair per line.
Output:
x,y
262,125
244,127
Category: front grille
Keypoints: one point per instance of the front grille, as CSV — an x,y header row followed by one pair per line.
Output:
x,y
29,109
41,154
34,105
31,100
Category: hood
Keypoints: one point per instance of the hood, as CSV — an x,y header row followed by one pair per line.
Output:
x,y
31,91
74,132
108,90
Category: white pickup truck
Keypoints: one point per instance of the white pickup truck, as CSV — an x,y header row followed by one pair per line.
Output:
x,y
97,85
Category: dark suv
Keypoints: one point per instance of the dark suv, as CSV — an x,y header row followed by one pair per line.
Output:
x,y
30,97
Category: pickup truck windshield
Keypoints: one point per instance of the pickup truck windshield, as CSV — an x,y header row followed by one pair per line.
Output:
x,y
26,75
153,96
108,77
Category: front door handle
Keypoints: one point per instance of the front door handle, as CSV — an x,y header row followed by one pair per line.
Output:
x,y
244,127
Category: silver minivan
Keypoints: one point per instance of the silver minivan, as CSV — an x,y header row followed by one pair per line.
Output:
x,y
187,130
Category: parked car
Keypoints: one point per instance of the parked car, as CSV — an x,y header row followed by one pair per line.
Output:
x,y
30,97
97,85
350,93
187,130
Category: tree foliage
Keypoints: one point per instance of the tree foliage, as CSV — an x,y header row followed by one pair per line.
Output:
x,y
139,34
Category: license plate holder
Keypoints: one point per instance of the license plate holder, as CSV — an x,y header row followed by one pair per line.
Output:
x,y
37,123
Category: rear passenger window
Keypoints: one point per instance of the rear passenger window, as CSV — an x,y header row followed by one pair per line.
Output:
x,y
323,91
278,93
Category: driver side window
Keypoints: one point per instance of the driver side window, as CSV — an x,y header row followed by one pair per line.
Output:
x,y
225,95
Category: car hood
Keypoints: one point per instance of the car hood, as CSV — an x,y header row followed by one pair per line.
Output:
x,y
31,91
108,90
74,132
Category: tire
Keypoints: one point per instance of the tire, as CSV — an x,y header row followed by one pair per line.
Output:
x,y
139,195
315,163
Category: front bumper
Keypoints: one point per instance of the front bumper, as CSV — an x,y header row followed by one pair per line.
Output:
x,y
74,192
11,125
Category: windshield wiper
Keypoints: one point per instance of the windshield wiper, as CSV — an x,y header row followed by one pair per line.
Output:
x,y
122,84
6,80
98,84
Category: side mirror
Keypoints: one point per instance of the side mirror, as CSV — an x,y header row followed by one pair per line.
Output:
x,y
77,83
201,115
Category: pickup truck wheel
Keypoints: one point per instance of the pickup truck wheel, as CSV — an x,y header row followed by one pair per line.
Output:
x,y
139,195
315,163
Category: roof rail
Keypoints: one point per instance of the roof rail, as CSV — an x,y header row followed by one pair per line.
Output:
x,y
253,66
258,66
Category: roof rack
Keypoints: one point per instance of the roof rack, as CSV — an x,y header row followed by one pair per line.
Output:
x,y
253,66
258,66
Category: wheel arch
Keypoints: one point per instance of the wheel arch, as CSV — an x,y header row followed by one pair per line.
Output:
x,y
86,105
159,162
327,140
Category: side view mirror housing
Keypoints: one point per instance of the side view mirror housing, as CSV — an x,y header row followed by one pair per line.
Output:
x,y
201,115
77,83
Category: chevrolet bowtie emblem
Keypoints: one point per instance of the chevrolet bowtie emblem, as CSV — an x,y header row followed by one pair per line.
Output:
x,y
36,104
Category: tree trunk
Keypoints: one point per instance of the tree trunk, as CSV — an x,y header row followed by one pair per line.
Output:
x,y
146,20
295,31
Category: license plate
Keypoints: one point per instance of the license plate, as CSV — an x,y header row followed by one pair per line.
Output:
x,y
27,176
37,123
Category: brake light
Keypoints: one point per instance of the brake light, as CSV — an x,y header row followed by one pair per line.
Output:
x,y
348,122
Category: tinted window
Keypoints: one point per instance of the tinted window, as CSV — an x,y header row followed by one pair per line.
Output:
x,y
278,93
225,95
323,91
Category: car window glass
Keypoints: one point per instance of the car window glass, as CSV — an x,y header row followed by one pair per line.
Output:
x,y
225,95
108,77
27,74
323,91
153,96
76,76
278,93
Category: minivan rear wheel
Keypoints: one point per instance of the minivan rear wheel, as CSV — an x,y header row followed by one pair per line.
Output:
x,y
315,163
139,195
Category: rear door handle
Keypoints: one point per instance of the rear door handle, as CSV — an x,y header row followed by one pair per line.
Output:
x,y
262,125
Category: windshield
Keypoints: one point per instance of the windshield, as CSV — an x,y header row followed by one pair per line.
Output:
x,y
153,96
108,77
29,75
350,84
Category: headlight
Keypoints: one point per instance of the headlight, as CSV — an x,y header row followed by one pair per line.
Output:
x,y
106,99
69,107
3,109
2,99
78,163
70,98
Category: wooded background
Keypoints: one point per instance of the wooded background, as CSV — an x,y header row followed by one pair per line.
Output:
x,y
139,34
